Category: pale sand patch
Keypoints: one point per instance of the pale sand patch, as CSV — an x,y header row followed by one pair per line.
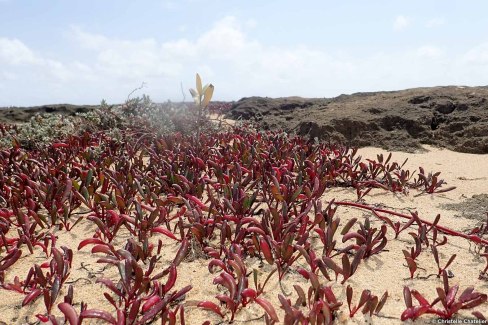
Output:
x,y
385,271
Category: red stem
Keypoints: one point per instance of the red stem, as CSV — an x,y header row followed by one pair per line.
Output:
x,y
473,238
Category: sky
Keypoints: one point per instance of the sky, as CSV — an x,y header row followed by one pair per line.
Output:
x,y
83,51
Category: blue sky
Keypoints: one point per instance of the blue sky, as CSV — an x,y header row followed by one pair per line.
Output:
x,y
58,51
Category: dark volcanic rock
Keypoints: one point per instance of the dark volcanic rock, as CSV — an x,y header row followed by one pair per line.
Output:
x,y
452,117
23,114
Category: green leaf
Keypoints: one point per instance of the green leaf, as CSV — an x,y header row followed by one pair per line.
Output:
x,y
76,185
85,193
89,177
296,194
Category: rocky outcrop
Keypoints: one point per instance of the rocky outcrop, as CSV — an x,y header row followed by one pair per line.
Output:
x,y
452,117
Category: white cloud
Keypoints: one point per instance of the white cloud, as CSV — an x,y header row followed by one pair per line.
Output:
x,y
124,58
251,23
228,56
401,22
428,51
224,54
35,79
13,51
225,40
9,76
435,22
88,41
477,55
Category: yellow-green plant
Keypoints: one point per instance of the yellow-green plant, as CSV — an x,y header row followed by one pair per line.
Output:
x,y
202,96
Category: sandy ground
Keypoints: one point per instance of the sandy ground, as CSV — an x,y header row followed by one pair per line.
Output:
x,y
385,271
